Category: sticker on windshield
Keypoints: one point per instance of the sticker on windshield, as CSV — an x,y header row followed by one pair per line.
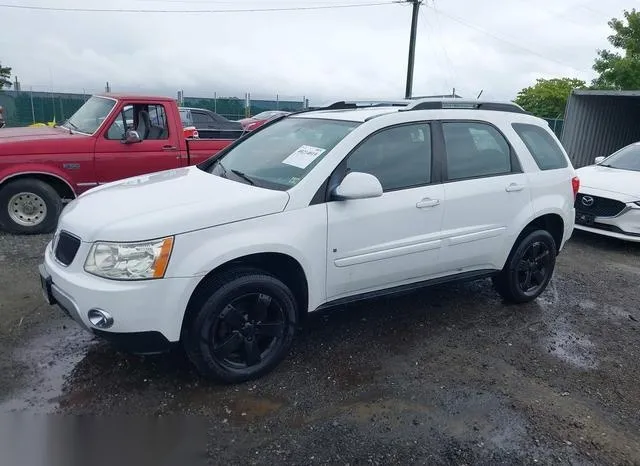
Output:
x,y
303,156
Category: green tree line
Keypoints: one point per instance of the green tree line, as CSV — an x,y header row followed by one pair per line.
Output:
x,y
617,69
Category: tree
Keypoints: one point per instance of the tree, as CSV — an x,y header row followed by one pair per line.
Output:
x,y
620,71
548,97
5,74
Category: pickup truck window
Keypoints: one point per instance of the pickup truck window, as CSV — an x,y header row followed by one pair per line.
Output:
x,y
281,155
90,116
149,120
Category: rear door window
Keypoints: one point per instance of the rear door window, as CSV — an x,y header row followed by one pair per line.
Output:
x,y
202,120
475,150
543,147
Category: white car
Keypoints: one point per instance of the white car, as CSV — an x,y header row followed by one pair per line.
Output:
x,y
313,210
608,202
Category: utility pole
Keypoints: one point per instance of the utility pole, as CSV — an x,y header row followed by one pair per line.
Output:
x,y
412,46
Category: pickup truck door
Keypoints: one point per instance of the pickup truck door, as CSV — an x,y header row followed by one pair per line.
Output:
x,y
158,150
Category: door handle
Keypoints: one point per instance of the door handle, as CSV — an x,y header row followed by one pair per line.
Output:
x,y
514,187
427,202
169,147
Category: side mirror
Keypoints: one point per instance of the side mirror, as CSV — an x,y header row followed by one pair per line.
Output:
x,y
358,185
599,159
132,137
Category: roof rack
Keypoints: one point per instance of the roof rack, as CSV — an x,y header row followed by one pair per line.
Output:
x,y
353,104
458,103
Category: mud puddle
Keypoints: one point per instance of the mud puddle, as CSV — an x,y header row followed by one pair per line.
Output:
x,y
48,359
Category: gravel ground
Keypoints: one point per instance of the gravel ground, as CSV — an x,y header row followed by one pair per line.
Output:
x,y
448,375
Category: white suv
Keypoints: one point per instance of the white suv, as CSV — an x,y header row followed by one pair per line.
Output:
x,y
313,210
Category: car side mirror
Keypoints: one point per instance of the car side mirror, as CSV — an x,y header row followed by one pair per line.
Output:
x,y
131,137
599,160
357,185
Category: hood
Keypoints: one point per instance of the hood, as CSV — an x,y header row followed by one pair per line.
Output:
x,y
40,140
625,183
165,203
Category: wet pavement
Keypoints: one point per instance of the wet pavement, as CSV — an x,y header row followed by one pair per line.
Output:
x,y
447,375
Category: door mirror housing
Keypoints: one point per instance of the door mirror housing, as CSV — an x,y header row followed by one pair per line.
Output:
x,y
131,137
357,185
599,159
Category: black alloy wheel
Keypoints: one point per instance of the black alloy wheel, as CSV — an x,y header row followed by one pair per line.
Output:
x,y
534,267
529,268
241,327
247,331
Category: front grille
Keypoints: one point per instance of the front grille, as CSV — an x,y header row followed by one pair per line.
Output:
x,y
600,207
66,248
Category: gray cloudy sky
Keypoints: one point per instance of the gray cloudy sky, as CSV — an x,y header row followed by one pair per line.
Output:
x,y
498,46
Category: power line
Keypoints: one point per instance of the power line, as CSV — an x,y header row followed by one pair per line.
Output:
x,y
452,72
513,44
241,10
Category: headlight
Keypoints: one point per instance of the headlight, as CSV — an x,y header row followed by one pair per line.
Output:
x,y
130,261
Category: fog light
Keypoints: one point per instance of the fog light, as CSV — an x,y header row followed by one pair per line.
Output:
x,y
100,318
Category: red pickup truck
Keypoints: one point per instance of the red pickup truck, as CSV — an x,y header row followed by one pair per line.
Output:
x,y
111,137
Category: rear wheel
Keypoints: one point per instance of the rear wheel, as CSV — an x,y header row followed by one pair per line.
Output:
x,y
29,206
529,268
243,329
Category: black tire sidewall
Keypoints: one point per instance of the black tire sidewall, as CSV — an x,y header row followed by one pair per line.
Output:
x,y
41,189
228,287
506,282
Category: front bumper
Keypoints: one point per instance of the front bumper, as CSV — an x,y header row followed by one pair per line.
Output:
x,y
625,225
147,314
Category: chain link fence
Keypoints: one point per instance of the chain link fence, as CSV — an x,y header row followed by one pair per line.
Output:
x,y
27,107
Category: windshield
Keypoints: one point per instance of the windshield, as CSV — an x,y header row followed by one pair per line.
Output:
x,y
281,155
89,117
627,158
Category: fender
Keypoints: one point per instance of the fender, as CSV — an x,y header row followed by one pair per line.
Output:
x,y
37,169
522,223
198,253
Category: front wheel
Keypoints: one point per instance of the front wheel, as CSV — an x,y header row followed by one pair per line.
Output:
x,y
528,269
243,329
29,206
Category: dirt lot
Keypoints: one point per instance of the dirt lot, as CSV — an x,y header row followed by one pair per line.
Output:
x,y
449,375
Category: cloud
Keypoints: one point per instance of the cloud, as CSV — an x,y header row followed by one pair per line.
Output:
x,y
498,46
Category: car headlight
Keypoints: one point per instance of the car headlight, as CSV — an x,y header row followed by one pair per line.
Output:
x,y
130,261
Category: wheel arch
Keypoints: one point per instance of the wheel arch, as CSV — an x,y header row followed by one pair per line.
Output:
x,y
551,222
283,266
61,185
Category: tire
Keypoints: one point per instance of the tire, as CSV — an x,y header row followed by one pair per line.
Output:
x,y
243,328
532,258
39,209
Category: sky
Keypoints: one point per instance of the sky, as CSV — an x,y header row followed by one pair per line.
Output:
x,y
360,52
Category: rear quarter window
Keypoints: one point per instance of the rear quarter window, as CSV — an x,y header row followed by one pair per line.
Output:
x,y
542,146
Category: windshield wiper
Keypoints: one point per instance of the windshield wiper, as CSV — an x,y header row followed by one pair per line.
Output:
x,y
70,123
243,176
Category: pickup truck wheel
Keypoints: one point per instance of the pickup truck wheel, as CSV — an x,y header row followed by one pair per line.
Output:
x,y
528,269
29,206
244,328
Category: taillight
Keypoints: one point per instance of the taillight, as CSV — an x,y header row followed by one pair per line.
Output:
x,y
575,184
